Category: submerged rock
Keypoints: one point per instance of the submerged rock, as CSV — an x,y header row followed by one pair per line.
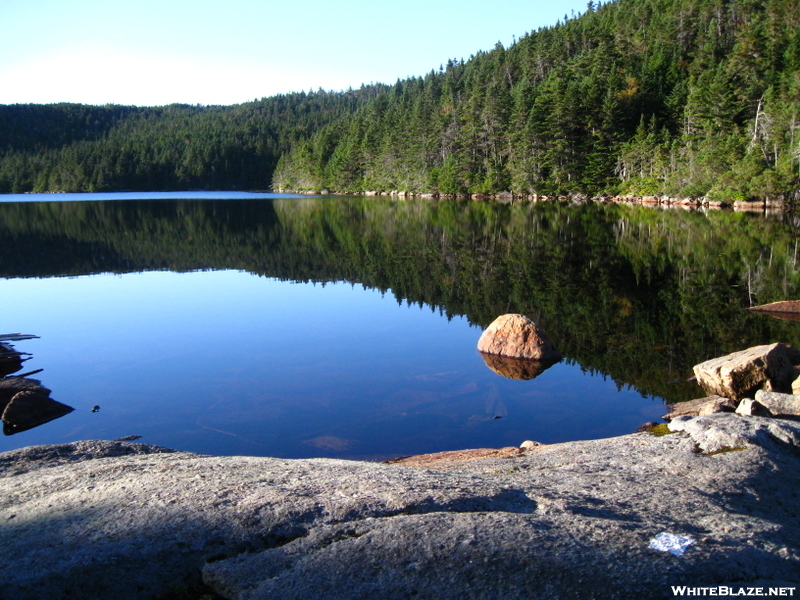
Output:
x,y
29,409
517,336
11,386
25,403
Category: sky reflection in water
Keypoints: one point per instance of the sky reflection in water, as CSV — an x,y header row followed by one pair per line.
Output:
x,y
225,362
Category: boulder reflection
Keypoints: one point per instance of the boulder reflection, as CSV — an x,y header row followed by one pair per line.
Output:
x,y
521,369
24,402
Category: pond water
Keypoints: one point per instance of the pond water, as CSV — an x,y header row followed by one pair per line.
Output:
x,y
346,327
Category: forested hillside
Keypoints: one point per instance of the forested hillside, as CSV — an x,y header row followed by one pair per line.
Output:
x,y
677,97
72,147
683,97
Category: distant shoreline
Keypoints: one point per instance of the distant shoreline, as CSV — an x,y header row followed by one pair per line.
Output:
x,y
665,201
702,202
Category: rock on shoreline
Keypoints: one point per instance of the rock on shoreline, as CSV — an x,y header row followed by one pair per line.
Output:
x,y
575,520
686,202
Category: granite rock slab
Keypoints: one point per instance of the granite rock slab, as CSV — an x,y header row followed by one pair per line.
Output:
x,y
125,520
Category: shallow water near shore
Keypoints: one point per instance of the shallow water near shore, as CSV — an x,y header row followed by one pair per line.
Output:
x,y
230,363
333,326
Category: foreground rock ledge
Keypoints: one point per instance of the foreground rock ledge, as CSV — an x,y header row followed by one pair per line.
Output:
x,y
124,520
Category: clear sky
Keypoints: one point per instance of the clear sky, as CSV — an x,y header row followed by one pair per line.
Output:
x,y
153,52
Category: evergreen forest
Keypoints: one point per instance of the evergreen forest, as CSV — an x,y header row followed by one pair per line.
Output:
x,y
645,97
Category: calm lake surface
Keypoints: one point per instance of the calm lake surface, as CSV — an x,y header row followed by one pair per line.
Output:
x,y
260,324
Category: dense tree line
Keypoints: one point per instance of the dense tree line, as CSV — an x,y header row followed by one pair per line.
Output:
x,y
682,97
71,147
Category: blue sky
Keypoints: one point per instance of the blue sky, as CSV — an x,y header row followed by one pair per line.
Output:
x,y
154,52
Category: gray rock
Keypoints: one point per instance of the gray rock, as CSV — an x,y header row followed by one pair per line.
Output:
x,y
718,405
740,374
723,431
125,520
529,445
779,405
750,408
35,458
